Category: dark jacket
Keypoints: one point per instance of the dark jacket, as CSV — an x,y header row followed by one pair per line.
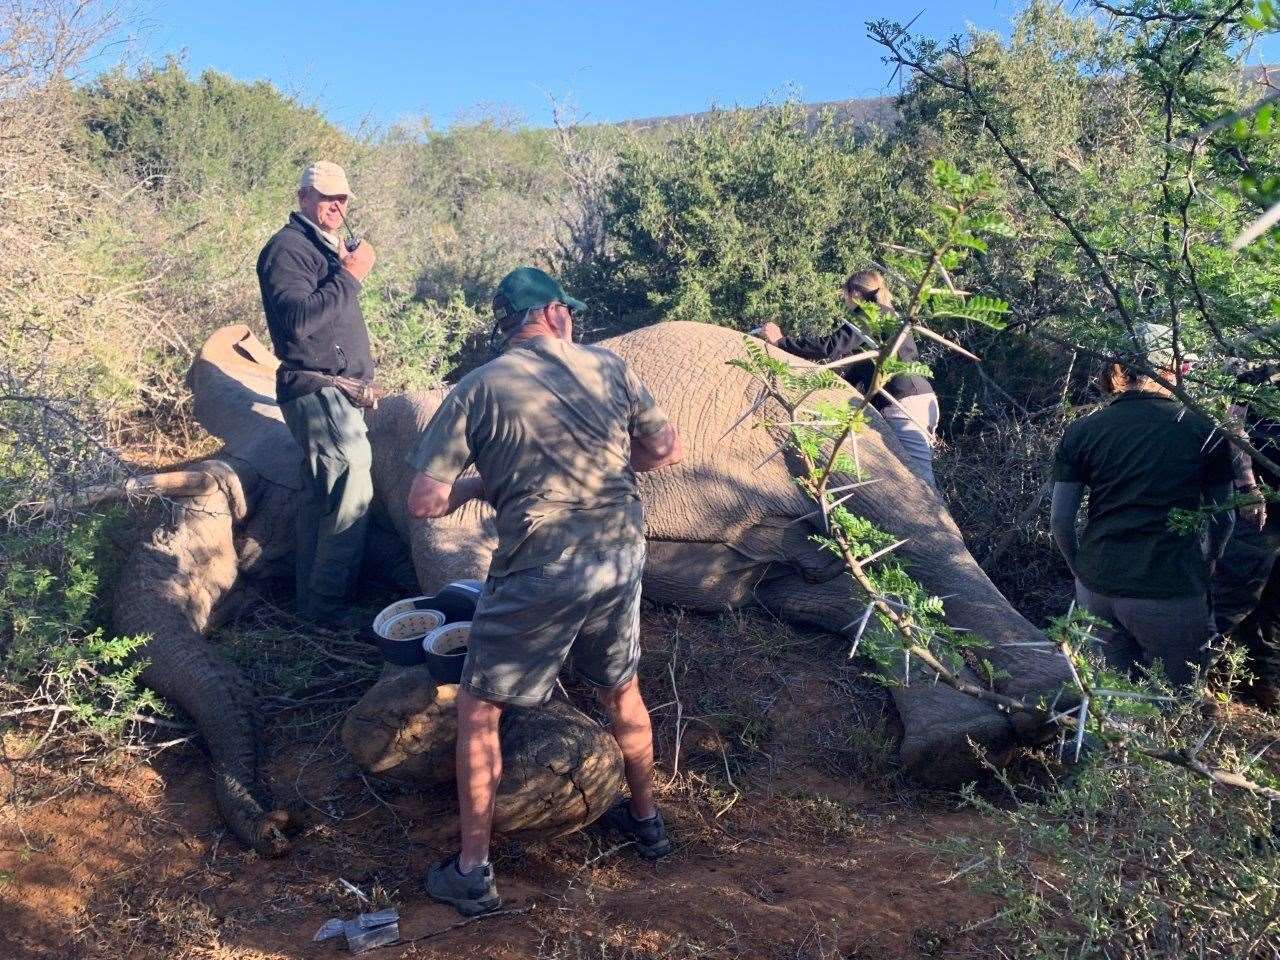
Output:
x,y
313,311
845,342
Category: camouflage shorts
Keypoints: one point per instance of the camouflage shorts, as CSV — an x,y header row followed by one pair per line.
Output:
x,y
585,602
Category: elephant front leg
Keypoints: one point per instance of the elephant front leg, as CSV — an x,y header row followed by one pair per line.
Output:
x,y
947,735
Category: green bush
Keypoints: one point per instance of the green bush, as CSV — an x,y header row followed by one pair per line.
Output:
x,y
58,666
1135,859
753,215
190,137
416,341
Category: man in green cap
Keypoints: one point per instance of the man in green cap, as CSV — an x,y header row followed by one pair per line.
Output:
x,y
557,432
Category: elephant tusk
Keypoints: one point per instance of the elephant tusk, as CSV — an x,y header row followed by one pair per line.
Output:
x,y
175,484
179,483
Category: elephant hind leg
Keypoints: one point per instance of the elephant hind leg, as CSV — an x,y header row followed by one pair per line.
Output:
x,y
940,726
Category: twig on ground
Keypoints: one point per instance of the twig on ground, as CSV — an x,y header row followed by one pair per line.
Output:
x,y
457,926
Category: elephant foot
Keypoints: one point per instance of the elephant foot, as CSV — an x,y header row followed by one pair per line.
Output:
x,y
948,735
271,836
404,728
1054,690
560,769
265,830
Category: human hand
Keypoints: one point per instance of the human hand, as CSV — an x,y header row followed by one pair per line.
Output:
x,y
771,333
1254,514
359,262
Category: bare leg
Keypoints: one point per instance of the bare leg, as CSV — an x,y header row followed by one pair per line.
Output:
x,y
479,768
634,732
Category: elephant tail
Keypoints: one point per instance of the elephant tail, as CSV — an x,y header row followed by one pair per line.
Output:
x,y
180,580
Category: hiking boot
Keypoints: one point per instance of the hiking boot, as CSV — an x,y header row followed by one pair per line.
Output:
x,y
649,836
471,894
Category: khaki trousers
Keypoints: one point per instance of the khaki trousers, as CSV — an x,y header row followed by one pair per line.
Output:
x,y
333,509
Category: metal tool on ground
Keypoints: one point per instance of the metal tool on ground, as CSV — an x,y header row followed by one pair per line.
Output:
x,y
365,931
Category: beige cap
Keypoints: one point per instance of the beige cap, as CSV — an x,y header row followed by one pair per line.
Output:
x,y
1156,340
327,178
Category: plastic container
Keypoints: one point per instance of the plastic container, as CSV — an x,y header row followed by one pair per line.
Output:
x,y
400,637
445,649
457,600
400,630
399,607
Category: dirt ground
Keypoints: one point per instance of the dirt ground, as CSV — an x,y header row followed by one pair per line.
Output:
x,y
795,839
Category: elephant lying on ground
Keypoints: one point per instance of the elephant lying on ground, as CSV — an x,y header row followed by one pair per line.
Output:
x,y
726,528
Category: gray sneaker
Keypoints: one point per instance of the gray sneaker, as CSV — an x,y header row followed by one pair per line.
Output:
x,y
471,893
649,836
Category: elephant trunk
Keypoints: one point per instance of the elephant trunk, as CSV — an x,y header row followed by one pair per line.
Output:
x,y
177,584
1025,665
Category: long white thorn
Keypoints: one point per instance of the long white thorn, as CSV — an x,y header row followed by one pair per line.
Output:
x,y
1084,716
813,513
862,626
880,553
1130,695
808,423
764,395
854,486
894,400
847,361
1257,228
948,343
782,446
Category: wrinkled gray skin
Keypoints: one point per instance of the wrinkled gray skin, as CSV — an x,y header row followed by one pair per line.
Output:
x,y
723,532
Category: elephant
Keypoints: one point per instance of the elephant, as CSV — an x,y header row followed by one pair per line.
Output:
x,y
726,528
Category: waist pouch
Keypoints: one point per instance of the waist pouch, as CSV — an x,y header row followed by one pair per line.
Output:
x,y
362,394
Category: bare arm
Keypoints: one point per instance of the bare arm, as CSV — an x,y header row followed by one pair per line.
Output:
x,y
659,449
1067,498
429,498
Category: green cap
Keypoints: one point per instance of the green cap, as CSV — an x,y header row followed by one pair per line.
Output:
x,y
524,289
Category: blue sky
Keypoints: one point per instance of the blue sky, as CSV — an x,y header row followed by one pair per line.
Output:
x,y
391,60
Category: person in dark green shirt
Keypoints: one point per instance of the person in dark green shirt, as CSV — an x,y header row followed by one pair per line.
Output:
x,y
1139,458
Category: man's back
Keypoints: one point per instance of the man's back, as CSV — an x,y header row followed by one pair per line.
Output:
x,y
1141,457
548,425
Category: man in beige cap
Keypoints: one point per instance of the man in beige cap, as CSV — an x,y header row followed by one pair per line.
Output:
x,y
310,285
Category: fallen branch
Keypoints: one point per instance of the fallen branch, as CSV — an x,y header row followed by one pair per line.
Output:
x,y
456,926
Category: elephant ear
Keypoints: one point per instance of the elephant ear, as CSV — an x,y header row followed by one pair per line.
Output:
x,y
233,381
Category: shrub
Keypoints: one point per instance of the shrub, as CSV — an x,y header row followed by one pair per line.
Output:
x,y
57,665
417,341
187,138
1135,858
750,216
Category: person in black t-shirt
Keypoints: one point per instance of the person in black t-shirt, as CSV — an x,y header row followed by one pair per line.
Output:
x,y
907,401
1140,457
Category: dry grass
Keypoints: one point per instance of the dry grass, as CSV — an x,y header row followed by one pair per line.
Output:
x,y
765,800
